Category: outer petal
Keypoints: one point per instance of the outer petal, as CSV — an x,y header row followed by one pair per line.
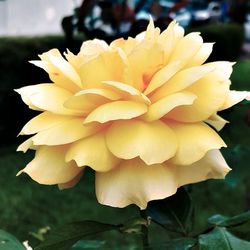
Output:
x,y
92,152
195,140
71,183
216,121
47,97
182,80
211,94
160,108
153,142
65,132
26,145
48,166
60,71
43,121
235,97
133,182
201,56
212,165
187,48
116,111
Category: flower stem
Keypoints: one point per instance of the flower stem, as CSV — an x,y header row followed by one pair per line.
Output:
x,y
144,231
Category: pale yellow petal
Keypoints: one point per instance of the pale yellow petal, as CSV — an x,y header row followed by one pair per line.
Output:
x,y
186,48
115,111
153,142
211,166
87,100
66,69
26,145
162,76
145,60
195,140
211,94
93,48
106,66
223,69
216,121
160,108
48,167
75,60
235,97
71,183
93,152
65,132
127,91
43,121
150,31
201,56
182,80
47,97
134,182
169,37
61,72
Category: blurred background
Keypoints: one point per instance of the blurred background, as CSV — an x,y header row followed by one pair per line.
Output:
x,y
31,27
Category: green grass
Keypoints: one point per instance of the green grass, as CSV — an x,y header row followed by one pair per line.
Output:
x,y
26,206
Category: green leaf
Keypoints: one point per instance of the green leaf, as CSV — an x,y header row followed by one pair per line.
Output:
x,y
173,213
220,238
9,242
88,244
223,221
63,238
176,244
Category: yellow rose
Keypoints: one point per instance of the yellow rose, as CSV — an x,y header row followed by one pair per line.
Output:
x,y
136,111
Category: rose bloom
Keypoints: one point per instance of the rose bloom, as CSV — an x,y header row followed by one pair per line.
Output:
x,y
139,111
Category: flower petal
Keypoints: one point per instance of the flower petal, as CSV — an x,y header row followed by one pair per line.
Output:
x,y
160,108
93,48
235,97
65,132
201,56
186,48
66,69
211,94
216,121
47,97
93,152
110,66
26,145
133,182
71,183
43,121
87,100
153,142
182,80
48,167
115,111
169,38
211,166
127,91
61,72
162,76
195,140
